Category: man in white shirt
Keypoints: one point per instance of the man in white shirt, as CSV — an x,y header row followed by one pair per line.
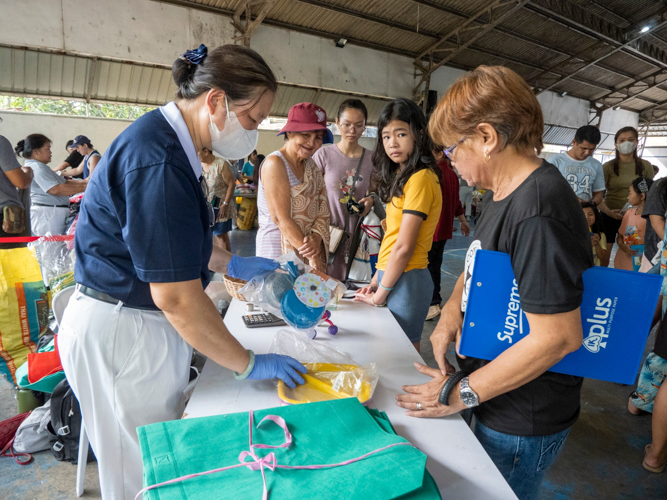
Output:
x,y
580,169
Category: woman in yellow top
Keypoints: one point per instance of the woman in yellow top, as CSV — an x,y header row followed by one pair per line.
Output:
x,y
408,181
618,175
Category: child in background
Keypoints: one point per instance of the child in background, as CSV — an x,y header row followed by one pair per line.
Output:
x,y
633,225
598,239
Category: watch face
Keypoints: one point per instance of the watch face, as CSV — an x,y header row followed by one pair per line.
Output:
x,y
469,398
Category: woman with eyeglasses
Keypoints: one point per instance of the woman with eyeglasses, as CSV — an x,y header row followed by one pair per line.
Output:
x,y
408,181
523,412
347,167
143,254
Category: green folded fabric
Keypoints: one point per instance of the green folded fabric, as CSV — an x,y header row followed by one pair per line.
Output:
x,y
328,432
429,489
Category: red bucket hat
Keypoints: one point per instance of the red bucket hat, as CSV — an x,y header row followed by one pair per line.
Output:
x,y
307,117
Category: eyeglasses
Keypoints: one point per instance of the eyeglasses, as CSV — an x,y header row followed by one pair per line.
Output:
x,y
211,211
349,127
450,150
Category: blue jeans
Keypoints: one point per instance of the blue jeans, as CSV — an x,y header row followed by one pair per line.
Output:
x,y
409,301
522,460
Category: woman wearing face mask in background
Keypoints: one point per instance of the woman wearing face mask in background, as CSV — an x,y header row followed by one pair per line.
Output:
x,y
143,254
618,175
292,204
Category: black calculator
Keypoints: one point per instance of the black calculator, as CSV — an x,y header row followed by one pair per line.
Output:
x,y
262,319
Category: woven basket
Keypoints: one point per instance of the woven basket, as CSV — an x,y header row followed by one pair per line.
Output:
x,y
233,286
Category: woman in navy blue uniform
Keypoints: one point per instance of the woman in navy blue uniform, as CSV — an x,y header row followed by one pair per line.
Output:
x,y
144,250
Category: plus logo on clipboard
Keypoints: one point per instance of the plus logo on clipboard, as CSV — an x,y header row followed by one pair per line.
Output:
x,y
600,324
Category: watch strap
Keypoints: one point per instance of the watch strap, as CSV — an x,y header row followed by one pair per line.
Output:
x,y
449,386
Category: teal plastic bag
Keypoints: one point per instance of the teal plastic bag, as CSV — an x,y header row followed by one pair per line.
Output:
x,y
328,432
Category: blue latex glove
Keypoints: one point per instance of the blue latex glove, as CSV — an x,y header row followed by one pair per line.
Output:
x,y
278,366
246,268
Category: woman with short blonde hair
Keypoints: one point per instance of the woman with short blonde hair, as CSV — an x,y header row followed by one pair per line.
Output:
x,y
493,123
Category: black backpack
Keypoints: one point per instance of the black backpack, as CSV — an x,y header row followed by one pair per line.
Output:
x,y
66,424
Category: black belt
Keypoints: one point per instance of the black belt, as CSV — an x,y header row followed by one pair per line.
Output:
x,y
52,206
103,297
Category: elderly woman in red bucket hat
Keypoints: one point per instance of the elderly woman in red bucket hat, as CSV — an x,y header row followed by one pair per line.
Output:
x,y
292,198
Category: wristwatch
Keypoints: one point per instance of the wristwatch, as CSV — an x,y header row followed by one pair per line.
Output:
x,y
468,396
225,203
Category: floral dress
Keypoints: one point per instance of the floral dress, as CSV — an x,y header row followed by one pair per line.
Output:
x,y
218,187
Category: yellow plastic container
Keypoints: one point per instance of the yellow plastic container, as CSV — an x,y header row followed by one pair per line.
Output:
x,y
327,381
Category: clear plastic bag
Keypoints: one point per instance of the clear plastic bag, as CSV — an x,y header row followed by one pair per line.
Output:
x,y
56,261
261,291
332,374
266,290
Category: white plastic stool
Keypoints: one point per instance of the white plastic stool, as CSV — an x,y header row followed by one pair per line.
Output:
x,y
82,460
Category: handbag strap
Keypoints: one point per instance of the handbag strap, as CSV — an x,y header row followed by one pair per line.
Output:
x,y
356,173
8,451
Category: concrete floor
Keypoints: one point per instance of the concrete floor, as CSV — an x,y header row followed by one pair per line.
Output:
x,y
601,460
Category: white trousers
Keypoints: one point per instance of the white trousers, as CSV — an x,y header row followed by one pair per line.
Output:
x,y
465,195
48,220
127,368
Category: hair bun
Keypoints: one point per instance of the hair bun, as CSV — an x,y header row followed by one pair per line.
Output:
x,y
182,72
20,147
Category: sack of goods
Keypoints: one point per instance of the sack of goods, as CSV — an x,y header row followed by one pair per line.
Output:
x,y
328,450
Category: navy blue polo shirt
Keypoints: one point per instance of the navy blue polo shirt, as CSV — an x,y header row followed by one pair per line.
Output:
x,y
144,218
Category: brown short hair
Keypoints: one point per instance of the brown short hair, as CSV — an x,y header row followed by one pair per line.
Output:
x,y
494,95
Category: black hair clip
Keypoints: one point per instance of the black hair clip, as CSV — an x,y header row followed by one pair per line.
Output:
x,y
195,56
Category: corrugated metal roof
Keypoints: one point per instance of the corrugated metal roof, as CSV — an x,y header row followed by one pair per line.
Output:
x,y
529,41
47,74
563,136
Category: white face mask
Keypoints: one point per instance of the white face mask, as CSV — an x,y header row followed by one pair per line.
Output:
x,y
233,142
627,147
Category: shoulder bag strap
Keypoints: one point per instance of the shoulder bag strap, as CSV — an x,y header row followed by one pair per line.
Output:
x,y
356,174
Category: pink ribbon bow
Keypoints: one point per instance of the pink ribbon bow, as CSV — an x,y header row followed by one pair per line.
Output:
x,y
269,461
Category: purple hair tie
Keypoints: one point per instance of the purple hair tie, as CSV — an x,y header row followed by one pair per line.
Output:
x,y
195,56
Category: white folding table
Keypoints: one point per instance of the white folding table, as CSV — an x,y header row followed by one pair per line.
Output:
x,y
456,460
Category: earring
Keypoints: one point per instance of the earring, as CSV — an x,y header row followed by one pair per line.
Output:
x,y
487,156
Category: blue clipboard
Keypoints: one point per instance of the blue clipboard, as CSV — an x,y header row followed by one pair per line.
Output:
x,y
616,313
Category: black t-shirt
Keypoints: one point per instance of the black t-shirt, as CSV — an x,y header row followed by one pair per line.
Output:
x,y
656,204
73,160
542,227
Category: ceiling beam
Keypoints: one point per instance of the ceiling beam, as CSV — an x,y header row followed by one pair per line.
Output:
x,y
341,9
470,25
588,64
449,10
478,30
633,90
404,27
245,10
386,22
524,38
576,17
